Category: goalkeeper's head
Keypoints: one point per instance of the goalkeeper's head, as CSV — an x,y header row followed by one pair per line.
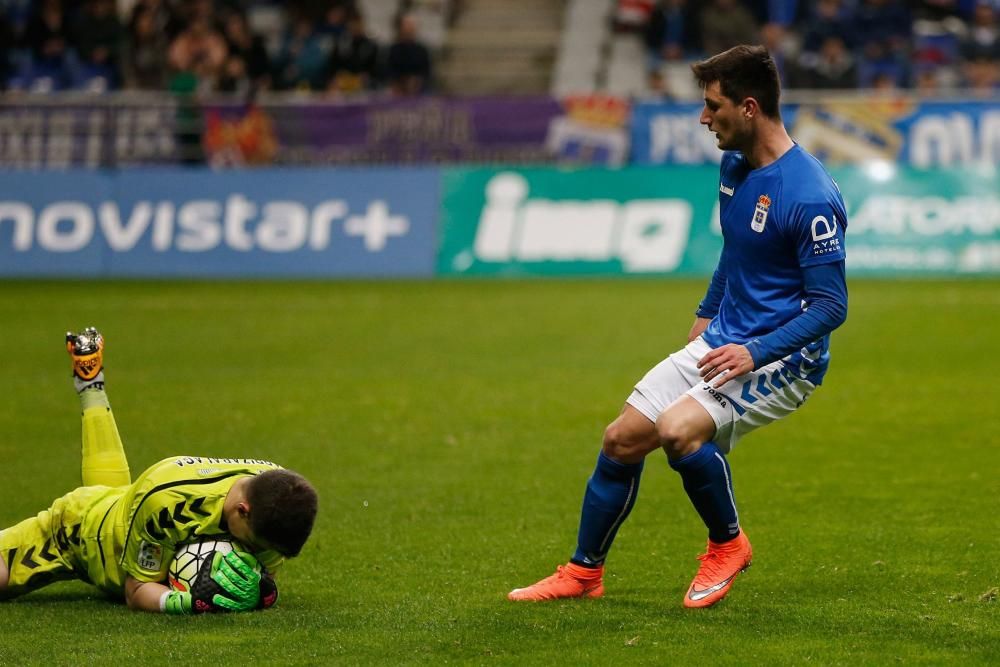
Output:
x,y
279,508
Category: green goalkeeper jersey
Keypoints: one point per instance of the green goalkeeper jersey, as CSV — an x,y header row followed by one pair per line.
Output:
x,y
135,529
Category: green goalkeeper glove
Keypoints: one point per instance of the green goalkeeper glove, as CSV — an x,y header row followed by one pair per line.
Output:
x,y
238,573
181,602
176,603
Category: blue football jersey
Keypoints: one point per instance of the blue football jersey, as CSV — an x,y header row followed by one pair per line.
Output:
x,y
775,220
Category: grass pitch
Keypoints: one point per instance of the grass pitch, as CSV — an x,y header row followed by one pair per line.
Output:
x,y
450,428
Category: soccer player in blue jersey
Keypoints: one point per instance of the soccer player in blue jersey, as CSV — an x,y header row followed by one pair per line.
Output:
x,y
760,341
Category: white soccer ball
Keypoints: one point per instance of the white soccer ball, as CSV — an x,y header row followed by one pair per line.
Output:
x,y
187,561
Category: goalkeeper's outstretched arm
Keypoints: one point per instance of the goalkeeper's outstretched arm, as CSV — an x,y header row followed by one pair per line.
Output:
x,y
238,586
144,595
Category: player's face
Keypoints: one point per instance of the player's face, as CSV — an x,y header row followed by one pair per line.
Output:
x,y
725,118
239,528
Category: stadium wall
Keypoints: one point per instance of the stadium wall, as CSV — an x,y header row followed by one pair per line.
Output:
x,y
422,222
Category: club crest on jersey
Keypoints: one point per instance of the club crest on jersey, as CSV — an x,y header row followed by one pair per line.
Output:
x,y
760,214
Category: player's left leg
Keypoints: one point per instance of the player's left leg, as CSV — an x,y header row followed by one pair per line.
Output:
x,y
686,428
103,456
740,406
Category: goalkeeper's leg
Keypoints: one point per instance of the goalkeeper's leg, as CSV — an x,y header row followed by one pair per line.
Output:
x,y
104,461
4,576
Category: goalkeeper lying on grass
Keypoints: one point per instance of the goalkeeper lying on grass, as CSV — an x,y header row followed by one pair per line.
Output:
x,y
121,535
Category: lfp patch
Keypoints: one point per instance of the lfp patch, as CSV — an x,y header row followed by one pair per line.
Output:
x,y
150,556
760,214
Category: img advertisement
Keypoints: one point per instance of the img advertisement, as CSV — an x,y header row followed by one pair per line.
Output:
x,y
902,221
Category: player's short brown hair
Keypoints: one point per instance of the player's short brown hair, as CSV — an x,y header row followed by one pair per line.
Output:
x,y
744,71
283,507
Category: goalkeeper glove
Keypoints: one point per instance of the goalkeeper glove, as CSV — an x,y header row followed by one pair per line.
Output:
x,y
176,603
227,582
200,600
238,574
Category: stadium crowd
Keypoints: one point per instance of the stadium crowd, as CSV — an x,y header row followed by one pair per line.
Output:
x,y
929,45
204,46
323,45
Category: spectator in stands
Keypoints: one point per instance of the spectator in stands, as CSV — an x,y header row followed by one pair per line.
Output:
x,y
248,49
97,36
725,24
830,19
980,50
832,68
670,35
409,62
884,83
6,47
48,38
302,60
926,81
334,20
671,32
936,10
354,58
233,77
774,37
782,12
632,15
197,10
164,19
982,41
883,29
144,61
200,51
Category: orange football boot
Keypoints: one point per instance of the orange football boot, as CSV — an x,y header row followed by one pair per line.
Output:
x,y
569,581
86,349
719,567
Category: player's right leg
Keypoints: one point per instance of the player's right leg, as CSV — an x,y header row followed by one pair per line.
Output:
x,y
609,498
103,456
30,556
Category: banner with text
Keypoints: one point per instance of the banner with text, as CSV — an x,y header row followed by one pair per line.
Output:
x,y
93,133
107,131
427,130
173,222
848,131
666,221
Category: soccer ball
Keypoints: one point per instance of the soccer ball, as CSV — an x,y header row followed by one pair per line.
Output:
x,y
184,569
182,575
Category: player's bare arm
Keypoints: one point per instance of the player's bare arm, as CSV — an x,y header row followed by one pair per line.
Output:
x,y
144,595
699,326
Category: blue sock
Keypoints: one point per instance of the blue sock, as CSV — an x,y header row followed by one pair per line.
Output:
x,y
611,493
709,485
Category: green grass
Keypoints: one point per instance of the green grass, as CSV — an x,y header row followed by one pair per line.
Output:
x,y
450,428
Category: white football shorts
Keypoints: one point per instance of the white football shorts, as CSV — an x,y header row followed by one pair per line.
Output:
x,y
741,405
